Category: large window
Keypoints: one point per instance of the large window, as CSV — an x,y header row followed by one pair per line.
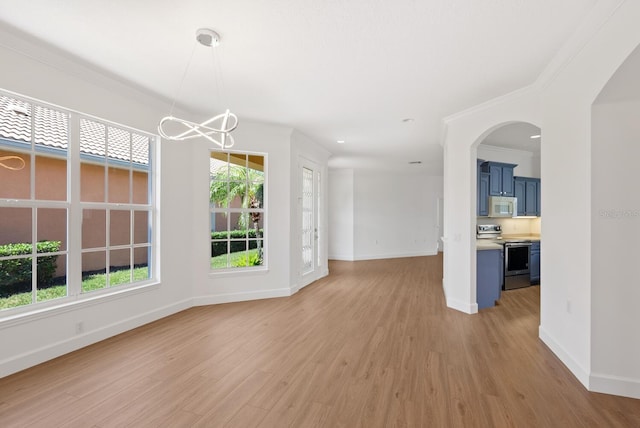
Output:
x,y
75,204
237,210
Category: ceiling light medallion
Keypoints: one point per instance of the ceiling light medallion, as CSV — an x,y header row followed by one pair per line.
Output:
x,y
218,128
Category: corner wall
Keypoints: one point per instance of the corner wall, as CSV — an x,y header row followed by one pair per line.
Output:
x,y
560,105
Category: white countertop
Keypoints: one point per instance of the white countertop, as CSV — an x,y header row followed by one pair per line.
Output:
x,y
497,244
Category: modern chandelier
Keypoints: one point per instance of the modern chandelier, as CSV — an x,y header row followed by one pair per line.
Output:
x,y
216,129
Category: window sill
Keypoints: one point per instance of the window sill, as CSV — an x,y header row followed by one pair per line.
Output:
x,y
235,272
72,304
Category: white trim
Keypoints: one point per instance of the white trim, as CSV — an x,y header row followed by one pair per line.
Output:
x,y
508,150
459,305
29,359
345,257
616,385
432,252
565,357
296,288
241,296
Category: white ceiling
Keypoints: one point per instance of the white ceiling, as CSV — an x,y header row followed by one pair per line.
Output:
x,y
332,69
515,136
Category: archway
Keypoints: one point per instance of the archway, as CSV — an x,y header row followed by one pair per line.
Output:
x,y
615,229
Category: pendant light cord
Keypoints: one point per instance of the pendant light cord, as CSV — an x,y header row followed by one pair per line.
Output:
x,y
184,75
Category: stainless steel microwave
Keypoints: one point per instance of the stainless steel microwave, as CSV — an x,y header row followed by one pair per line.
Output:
x,y
503,206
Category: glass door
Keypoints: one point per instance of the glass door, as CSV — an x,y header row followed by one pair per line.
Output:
x,y
310,220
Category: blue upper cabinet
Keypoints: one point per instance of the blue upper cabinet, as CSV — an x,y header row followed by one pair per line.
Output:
x,y
483,194
500,178
520,190
527,190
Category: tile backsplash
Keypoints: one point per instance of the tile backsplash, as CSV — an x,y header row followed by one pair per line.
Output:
x,y
514,226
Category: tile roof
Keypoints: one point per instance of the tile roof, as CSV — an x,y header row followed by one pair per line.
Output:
x,y
50,130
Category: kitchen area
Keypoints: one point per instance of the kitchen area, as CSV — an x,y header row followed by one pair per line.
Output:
x,y
508,216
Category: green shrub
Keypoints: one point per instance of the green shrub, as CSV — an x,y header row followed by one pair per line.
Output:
x,y
15,274
219,243
251,259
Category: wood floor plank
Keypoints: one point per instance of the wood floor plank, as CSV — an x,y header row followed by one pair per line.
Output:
x,y
372,344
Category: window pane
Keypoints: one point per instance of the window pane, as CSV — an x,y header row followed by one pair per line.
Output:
x,y
15,226
52,277
239,225
92,139
140,187
94,271
94,229
256,163
119,185
140,150
15,282
15,115
51,129
120,267
141,263
15,174
51,178
219,225
120,227
91,182
119,145
220,261
52,226
141,232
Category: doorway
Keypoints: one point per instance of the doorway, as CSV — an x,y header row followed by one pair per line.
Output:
x,y
310,209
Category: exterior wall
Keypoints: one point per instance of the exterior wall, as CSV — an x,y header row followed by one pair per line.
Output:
x,y
51,179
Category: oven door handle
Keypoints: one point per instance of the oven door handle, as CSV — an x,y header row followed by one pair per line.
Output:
x,y
519,244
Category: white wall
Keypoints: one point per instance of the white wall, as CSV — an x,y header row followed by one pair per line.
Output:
x,y
341,211
275,142
615,216
560,104
528,162
41,72
395,214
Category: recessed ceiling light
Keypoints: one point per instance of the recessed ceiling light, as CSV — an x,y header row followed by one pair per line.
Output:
x,y
533,137
340,141
408,119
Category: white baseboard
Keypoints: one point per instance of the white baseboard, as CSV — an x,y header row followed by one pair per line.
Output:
x,y
396,255
567,359
241,297
340,257
459,305
49,352
614,385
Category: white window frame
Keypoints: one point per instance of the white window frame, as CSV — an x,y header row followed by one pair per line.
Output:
x,y
229,211
74,208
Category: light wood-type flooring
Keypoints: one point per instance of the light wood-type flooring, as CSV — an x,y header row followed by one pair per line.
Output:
x,y
372,345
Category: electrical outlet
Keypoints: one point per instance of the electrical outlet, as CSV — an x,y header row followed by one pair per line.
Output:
x,y
79,327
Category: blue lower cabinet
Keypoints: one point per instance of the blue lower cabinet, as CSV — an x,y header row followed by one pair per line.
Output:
x,y
489,277
534,263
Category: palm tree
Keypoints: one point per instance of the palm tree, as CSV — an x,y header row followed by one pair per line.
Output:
x,y
230,182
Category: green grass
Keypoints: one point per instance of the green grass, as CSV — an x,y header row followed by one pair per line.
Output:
x,y
89,283
220,262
